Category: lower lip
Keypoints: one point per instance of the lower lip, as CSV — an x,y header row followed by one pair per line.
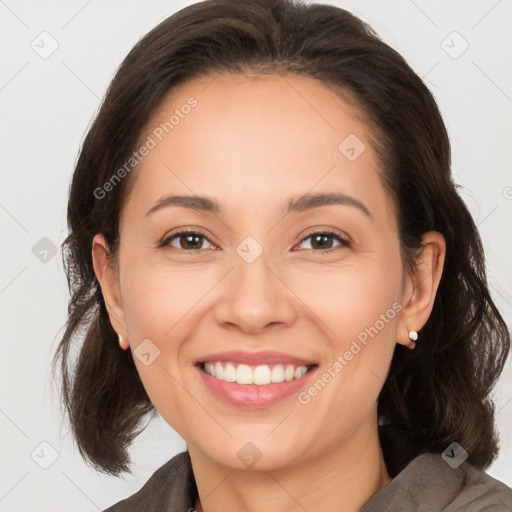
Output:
x,y
250,396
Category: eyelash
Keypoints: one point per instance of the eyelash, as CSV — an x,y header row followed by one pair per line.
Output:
x,y
344,242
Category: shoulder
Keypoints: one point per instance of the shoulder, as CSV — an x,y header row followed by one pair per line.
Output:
x,y
429,483
170,488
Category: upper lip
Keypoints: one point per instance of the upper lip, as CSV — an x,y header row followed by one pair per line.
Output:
x,y
253,358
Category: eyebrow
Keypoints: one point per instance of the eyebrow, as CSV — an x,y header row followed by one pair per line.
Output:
x,y
298,204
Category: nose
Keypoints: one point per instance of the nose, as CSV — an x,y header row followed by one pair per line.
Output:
x,y
255,298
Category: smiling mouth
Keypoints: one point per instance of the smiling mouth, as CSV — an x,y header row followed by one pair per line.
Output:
x,y
256,375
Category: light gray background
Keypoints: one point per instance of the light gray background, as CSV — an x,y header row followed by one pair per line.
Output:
x,y
46,107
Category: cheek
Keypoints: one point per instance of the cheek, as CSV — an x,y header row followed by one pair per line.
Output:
x,y
156,297
358,307
159,304
351,299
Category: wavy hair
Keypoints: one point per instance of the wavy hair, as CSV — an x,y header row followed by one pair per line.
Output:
x,y
434,395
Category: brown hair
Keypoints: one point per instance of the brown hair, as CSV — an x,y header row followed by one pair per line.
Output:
x,y
434,395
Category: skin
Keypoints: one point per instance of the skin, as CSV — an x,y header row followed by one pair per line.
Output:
x,y
252,143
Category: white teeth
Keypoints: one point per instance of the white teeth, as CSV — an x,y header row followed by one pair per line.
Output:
x,y
289,373
243,374
262,375
209,368
219,371
299,372
230,373
278,373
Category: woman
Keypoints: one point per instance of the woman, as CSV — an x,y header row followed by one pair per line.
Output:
x,y
267,248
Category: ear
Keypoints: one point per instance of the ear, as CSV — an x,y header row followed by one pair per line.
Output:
x,y
420,289
108,278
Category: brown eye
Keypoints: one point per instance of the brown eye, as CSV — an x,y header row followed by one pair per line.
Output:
x,y
186,240
323,241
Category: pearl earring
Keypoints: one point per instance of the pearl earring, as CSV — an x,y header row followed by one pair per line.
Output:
x,y
413,336
121,341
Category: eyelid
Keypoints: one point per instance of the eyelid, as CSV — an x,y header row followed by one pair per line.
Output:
x,y
326,231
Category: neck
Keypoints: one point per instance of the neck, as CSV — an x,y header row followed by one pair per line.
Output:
x,y
342,478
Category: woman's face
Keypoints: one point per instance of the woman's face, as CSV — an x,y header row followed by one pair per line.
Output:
x,y
255,277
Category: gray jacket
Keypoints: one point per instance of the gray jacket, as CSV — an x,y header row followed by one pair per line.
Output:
x,y
426,484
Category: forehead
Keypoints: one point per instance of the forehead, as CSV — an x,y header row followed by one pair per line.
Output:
x,y
240,138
